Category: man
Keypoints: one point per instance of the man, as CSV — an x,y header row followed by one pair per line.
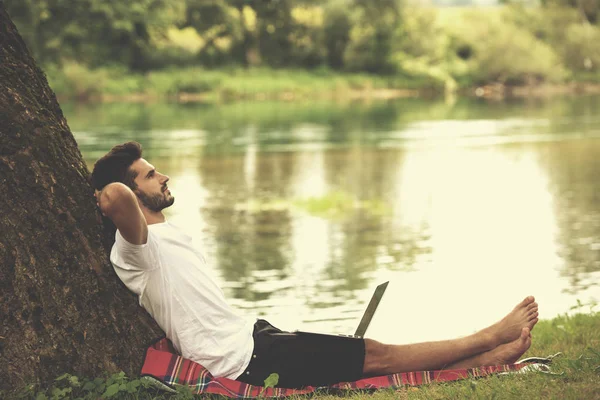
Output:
x,y
160,264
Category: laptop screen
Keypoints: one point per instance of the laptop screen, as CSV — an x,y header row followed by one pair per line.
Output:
x,y
370,311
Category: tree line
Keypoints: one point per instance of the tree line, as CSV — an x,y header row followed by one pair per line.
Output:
x,y
549,40
277,33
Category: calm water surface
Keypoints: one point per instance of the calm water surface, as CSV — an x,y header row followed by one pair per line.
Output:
x,y
465,206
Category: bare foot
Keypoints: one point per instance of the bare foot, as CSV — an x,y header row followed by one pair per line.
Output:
x,y
524,315
510,352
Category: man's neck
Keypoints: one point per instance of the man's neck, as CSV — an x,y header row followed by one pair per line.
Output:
x,y
153,217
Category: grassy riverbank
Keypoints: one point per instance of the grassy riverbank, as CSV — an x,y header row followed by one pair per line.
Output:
x,y
74,82
577,337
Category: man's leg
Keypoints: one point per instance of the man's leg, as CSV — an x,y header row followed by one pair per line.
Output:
x,y
381,359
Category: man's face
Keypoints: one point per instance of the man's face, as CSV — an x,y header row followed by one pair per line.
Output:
x,y
152,190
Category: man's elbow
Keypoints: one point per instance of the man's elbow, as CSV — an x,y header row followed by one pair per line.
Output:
x,y
114,197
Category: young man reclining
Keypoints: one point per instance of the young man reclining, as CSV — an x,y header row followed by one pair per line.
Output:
x,y
160,264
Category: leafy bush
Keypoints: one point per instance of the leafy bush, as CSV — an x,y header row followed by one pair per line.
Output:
x,y
577,44
500,51
373,37
581,48
425,53
75,80
69,386
336,28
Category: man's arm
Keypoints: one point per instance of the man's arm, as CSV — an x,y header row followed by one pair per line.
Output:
x,y
119,203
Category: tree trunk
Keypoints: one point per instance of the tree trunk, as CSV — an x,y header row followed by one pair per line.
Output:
x,y
62,308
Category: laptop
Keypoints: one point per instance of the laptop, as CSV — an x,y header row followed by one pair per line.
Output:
x,y
366,318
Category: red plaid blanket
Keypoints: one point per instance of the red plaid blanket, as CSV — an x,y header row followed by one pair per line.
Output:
x,y
164,364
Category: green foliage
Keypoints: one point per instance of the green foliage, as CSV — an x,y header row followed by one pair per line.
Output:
x,y
93,48
425,51
69,386
581,48
188,80
271,381
274,27
77,82
93,31
576,44
340,204
222,28
336,29
373,36
587,9
498,51
307,37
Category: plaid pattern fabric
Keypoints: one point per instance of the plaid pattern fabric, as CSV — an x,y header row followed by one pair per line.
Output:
x,y
164,364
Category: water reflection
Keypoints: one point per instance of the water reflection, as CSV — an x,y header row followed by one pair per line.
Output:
x,y
572,167
304,208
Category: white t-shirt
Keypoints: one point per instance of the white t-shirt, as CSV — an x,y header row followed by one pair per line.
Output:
x,y
169,275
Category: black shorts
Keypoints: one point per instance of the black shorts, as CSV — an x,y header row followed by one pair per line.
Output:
x,y
303,360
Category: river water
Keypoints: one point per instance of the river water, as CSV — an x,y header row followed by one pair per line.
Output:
x,y
465,206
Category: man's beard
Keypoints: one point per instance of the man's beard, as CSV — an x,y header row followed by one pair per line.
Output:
x,y
155,202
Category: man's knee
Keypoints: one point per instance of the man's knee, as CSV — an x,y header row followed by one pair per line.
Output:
x,y
377,357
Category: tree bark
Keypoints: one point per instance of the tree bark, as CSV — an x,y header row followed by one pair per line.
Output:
x,y
62,307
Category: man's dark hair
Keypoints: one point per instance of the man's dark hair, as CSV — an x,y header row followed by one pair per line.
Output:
x,y
114,166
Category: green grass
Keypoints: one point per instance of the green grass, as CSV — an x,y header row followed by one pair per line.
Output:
x,y
338,204
76,82
332,205
576,336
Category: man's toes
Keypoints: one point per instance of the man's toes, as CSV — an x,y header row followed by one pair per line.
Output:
x,y
533,322
532,306
525,333
527,300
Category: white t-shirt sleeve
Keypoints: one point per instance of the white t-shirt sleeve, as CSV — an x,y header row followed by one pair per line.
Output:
x,y
135,257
